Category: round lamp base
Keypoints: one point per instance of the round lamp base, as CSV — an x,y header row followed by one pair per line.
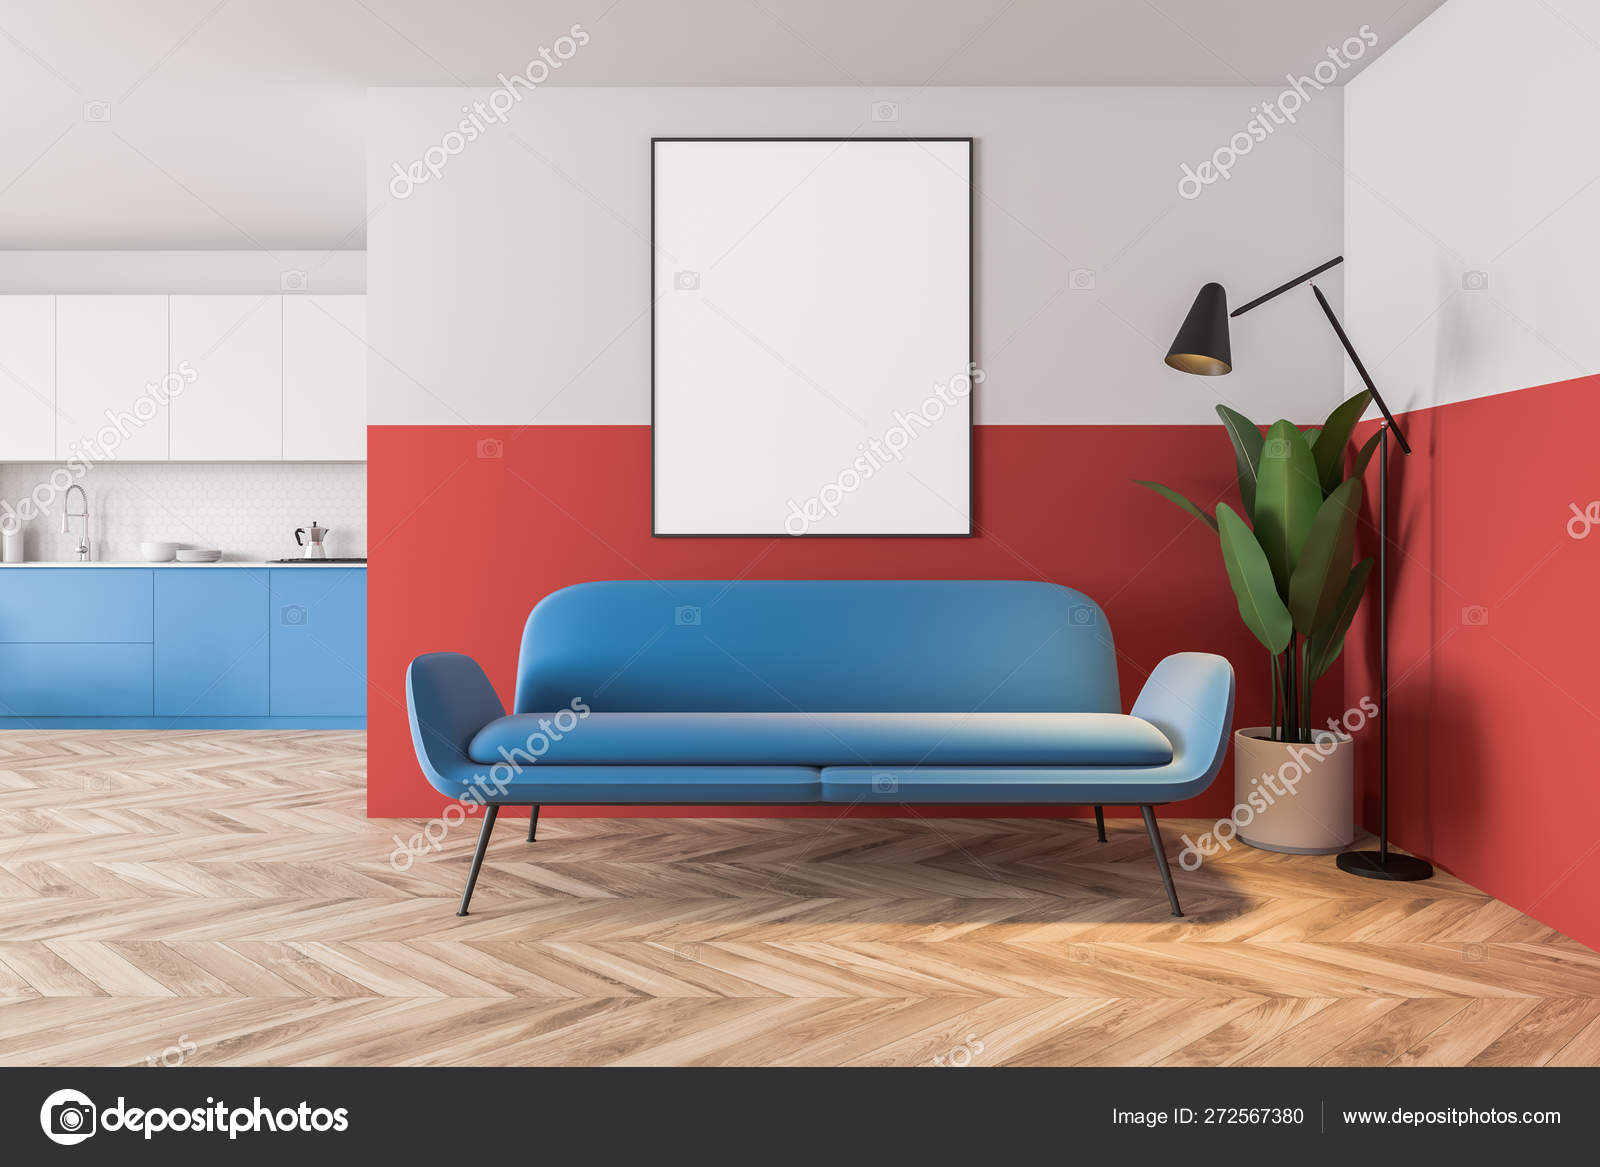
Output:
x,y
1401,868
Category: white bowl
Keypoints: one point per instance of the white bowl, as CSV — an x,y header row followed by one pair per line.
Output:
x,y
199,555
158,552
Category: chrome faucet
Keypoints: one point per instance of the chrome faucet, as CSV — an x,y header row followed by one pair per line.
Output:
x,y
68,513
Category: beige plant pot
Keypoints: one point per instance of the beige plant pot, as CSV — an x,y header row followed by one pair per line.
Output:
x,y
1294,798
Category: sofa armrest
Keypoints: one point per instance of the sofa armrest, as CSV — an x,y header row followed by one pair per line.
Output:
x,y
1189,697
448,699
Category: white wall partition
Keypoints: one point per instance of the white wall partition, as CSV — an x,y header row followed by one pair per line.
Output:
x,y
1472,211
514,288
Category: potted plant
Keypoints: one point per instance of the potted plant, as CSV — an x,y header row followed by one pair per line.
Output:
x,y
1291,571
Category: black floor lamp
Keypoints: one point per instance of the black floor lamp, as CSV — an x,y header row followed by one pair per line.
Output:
x,y
1202,347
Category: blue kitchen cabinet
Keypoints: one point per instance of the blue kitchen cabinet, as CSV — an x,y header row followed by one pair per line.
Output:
x,y
74,680
191,647
65,605
319,642
211,642
75,643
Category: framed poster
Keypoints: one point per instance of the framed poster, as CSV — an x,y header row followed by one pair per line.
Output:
x,y
811,336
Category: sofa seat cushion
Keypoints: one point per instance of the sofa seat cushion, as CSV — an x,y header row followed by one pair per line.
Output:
x,y
649,785
825,739
1009,785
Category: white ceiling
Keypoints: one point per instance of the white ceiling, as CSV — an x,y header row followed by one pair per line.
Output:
x,y
239,123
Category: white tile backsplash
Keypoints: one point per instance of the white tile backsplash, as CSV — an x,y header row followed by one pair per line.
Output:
x,y
248,510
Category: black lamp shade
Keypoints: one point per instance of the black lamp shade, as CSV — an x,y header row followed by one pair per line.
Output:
x,y
1201,345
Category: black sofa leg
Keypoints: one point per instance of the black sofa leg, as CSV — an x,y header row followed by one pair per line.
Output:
x,y
1161,857
477,856
533,821
1100,822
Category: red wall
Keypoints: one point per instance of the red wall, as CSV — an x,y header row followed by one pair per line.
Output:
x,y
462,547
1494,722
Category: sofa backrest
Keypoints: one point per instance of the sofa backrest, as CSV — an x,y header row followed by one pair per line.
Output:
x,y
1004,646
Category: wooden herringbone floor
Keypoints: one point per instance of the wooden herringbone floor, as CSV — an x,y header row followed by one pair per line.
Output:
x,y
220,898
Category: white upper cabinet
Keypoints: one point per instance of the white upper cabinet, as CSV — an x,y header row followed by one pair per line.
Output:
x,y
27,378
232,411
191,378
111,377
324,378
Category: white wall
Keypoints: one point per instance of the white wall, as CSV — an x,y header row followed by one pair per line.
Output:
x,y
513,289
1470,148
247,510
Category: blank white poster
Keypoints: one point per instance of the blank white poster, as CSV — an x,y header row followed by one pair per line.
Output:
x,y
812,350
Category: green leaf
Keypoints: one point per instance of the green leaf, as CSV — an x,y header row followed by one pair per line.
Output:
x,y
1246,438
1288,496
1251,576
1311,436
1324,562
1336,433
1173,496
1365,455
1324,648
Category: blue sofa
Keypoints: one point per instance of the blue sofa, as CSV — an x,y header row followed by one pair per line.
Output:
x,y
797,692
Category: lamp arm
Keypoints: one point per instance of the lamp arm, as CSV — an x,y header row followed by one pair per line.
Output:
x,y
1338,329
1282,288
